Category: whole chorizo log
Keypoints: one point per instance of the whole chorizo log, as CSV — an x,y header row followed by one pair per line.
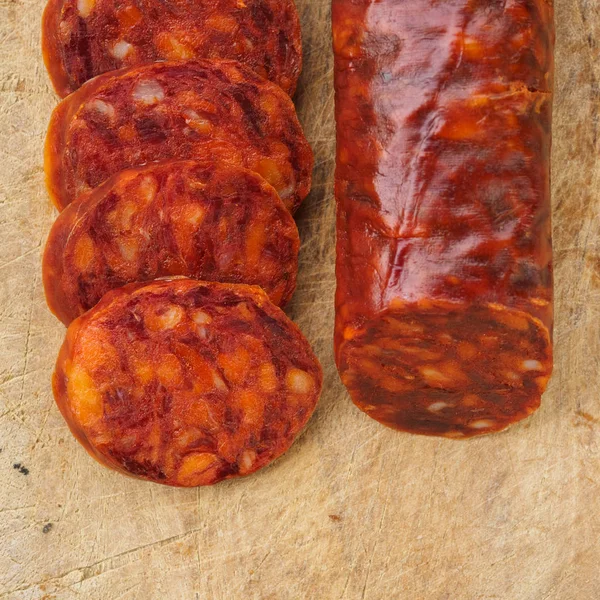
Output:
x,y
444,263
189,110
186,383
85,38
215,223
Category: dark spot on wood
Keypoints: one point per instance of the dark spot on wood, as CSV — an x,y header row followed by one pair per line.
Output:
x,y
19,467
335,518
47,527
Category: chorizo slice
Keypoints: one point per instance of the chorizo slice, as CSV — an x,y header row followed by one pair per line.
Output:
x,y
85,38
176,110
444,260
186,383
175,218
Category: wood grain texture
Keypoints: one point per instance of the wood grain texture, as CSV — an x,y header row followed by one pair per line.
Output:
x,y
353,511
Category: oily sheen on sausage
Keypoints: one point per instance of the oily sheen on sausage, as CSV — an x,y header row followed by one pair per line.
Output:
x,y
186,383
85,38
209,222
187,109
444,263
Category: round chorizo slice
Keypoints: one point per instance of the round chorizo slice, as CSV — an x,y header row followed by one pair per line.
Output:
x,y
176,110
85,38
176,218
186,383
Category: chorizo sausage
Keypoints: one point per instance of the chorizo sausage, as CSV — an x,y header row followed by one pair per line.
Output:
x,y
444,265
186,383
175,218
188,109
85,38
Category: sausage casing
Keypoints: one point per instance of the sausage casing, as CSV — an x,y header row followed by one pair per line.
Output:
x,y
444,263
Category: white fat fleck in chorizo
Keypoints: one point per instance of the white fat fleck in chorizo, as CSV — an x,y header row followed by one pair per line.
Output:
x,y
121,49
148,92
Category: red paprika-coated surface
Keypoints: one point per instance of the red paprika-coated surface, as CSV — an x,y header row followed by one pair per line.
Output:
x,y
84,38
444,265
186,383
205,109
174,218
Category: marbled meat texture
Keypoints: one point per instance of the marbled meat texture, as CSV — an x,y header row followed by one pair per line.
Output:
x,y
187,109
85,38
174,218
186,383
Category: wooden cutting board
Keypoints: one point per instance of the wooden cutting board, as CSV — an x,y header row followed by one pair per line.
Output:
x,y
354,510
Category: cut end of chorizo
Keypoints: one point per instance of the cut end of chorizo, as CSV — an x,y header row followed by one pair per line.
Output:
x,y
447,369
186,383
207,222
85,38
204,109
444,255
